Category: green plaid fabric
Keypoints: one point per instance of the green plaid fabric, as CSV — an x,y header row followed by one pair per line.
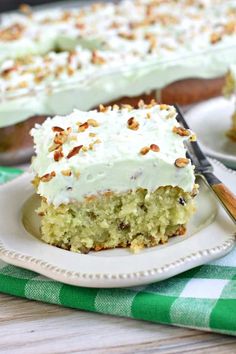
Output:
x,y
202,298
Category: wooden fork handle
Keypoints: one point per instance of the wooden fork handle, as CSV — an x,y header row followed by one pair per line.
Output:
x,y
227,198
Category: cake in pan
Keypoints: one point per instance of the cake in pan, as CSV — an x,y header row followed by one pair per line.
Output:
x,y
55,60
113,177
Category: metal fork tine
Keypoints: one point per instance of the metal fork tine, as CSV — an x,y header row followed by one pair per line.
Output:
x,y
205,170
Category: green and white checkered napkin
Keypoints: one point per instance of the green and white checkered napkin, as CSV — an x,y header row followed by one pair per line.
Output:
x,y
202,298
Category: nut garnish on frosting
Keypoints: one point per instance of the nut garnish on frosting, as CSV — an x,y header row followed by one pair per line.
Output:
x,y
181,162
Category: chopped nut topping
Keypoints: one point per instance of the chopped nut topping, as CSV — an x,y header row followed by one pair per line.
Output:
x,y
57,129
133,124
47,177
215,38
181,131
92,122
134,25
25,9
70,71
12,33
74,151
39,77
102,108
28,59
171,115
92,135
128,36
181,162
97,141
230,27
53,147
97,59
66,16
164,106
84,149
152,40
97,6
58,154
91,145
83,127
5,73
80,25
127,106
154,148
144,150
115,107
23,84
152,103
114,25
66,172
73,138
166,19
59,70
61,137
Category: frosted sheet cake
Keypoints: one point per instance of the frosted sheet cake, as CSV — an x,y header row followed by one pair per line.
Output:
x,y
129,50
142,45
113,177
230,90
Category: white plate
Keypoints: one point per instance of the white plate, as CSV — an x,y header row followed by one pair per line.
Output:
x,y
210,120
210,236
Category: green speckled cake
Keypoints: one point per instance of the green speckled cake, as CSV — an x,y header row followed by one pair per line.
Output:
x,y
116,177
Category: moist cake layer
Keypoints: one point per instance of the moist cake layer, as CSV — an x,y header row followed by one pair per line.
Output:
x,y
135,219
116,177
113,177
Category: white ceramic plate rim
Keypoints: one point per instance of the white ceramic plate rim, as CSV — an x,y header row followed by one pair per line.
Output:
x,y
196,111
107,279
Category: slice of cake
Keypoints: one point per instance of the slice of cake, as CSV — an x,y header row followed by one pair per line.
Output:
x,y
230,90
116,177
